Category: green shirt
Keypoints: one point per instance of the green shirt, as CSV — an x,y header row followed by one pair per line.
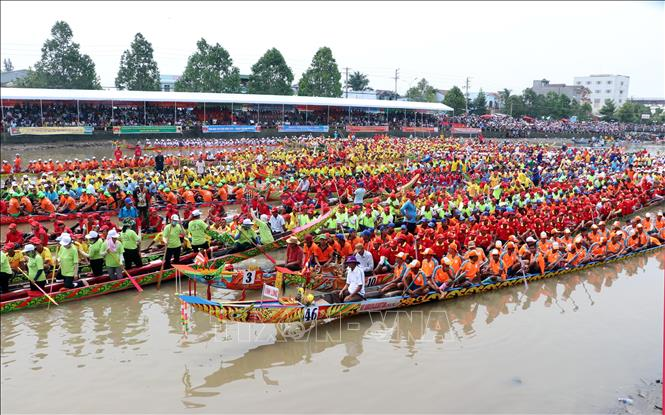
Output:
x,y
69,260
197,228
130,239
172,234
5,268
113,259
35,264
264,232
95,250
245,236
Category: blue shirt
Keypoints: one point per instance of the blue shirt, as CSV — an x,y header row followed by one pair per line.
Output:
x,y
128,212
358,196
408,209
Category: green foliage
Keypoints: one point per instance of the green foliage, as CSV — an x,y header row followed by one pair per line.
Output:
x,y
479,104
455,99
516,106
608,110
7,65
209,69
504,97
422,92
271,75
358,82
138,69
62,66
632,112
322,78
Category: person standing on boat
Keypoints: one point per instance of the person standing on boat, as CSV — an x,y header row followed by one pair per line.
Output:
x,y
130,243
68,259
95,256
354,289
408,210
128,211
197,229
276,222
6,272
171,236
113,258
35,265
365,259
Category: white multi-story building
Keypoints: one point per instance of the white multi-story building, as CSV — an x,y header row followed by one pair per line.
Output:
x,y
602,87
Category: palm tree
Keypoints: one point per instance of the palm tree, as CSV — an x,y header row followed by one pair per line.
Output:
x,y
358,82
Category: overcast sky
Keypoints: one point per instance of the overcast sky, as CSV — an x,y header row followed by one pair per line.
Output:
x,y
498,45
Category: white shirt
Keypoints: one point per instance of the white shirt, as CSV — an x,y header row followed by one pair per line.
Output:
x,y
276,223
354,278
365,261
200,167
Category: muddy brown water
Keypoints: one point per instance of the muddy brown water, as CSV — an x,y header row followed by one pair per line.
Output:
x,y
572,344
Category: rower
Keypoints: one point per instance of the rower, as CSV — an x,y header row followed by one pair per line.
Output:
x,y
171,237
294,254
245,237
35,265
495,269
197,229
354,289
396,285
415,281
68,259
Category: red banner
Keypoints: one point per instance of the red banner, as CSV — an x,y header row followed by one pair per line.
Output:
x,y
420,129
367,128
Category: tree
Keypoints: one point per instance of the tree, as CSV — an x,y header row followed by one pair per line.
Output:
x,y
504,96
62,66
358,82
585,111
479,104
608,110
138,69
632,112
455,99
270,75
209,69
515,106
422,92
322,78
7,65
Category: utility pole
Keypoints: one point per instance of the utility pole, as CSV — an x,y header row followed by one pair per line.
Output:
x,y
396,78
347,81
466,101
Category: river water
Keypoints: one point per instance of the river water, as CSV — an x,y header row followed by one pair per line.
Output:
x,y
572,344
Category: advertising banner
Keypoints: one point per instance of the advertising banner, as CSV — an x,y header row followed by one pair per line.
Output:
x,y
367,128
87,130
302,128
420,129
466,130
147,129
230,129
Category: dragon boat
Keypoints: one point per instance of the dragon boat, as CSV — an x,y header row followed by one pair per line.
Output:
x,y
325,307
148,274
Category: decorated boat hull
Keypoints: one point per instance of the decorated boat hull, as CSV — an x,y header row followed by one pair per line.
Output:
x,y
276,312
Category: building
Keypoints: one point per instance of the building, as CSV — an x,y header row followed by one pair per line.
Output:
x,y
577,92
652,103
603,87
8,79
360,94
167,82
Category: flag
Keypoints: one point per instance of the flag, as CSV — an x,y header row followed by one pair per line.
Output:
x,y
201,259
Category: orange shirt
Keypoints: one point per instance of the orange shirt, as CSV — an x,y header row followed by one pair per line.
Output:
x,y
471,269
323,255
27,204
455,262
14,207
47,205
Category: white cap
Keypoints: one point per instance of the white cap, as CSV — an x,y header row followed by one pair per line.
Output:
x,y
660,213
264,218
530,239
543,234
91,235
65,239
494,252
555,245
63,236
196,212
29,248
498,244
247,222
648,215
175,217
113,233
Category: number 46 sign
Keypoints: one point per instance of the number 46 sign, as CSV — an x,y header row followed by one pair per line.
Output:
x,y
310,313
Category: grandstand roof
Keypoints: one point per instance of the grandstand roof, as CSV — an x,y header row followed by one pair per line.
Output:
x,y
199,97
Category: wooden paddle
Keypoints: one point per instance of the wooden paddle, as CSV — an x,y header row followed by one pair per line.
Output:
x,y
161,270
136,284
39,288
55,262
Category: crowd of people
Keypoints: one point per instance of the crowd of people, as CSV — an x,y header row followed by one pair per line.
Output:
x,y
104,117
390,193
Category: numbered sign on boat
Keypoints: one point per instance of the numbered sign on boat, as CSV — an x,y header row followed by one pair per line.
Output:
x,y
248,277
310,313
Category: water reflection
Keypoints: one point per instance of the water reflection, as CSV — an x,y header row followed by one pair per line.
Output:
x,y
447,323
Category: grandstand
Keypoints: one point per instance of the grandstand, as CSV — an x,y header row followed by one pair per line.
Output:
x,y
73,112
